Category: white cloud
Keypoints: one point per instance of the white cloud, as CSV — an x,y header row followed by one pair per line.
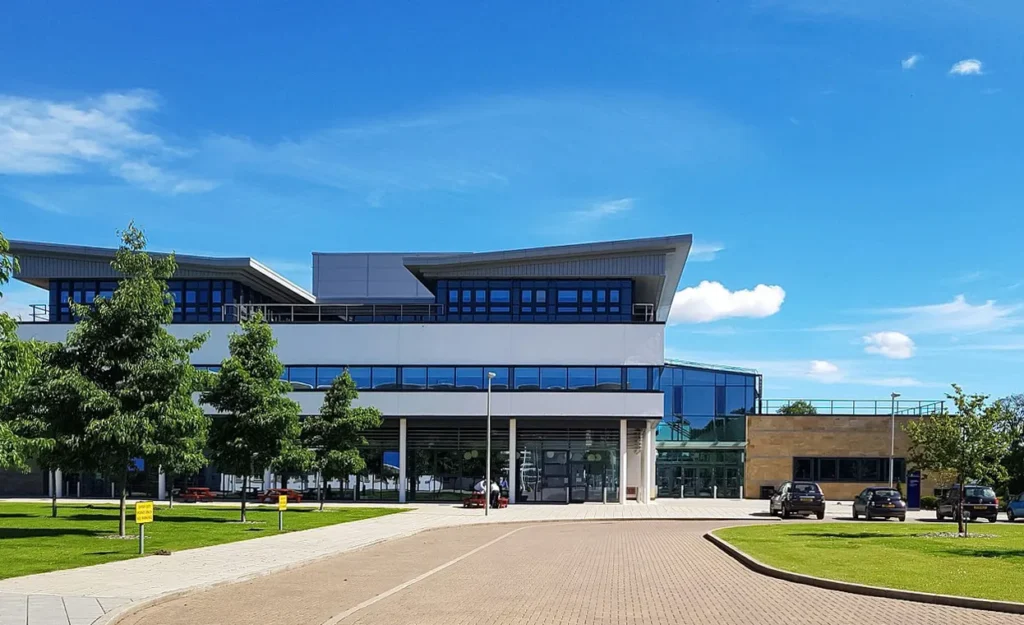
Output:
x,y
823,368
704,252
103,133
710,301
957,316
910,61
605,209
966,67
894,345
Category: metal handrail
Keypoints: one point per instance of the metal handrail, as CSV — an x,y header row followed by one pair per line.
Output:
x,y
335,313
643,312
853,407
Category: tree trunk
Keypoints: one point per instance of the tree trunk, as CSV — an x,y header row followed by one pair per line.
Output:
x,y
169,487
961,521
53,494
320,491
245,491
124,505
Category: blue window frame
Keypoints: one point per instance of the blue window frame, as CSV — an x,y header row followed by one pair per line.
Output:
x,y
385,378
414,377
609,379
636,379
441,378
362,376
469,378
527,378
581,379
325,376
553,378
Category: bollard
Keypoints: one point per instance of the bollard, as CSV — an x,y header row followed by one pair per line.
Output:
x,y
741,492
142,539
604,494
280,520
714,492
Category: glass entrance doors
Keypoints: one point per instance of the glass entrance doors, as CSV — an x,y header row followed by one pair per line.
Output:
x,y
684,473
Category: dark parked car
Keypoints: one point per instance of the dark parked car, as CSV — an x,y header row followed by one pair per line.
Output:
x,y
979,502
880,502
797,498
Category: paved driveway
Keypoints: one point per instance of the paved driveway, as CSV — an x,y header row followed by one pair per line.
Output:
x,y
651,572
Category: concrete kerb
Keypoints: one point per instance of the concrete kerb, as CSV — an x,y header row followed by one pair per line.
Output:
x,y
757,566
120,612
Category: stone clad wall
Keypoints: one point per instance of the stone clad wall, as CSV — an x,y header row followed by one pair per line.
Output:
x,y
774,440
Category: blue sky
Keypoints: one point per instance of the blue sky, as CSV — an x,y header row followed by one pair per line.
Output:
x,y
851,171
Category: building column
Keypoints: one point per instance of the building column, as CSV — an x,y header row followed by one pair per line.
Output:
x,y
402,464
267,479
55,478
512,460
623,458
645,465
652,456
161,484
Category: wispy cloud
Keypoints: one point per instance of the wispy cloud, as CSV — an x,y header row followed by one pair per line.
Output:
x,y
704,252
97,134
966,67
966,277
889,344
911,61
958,315
603,210
710,301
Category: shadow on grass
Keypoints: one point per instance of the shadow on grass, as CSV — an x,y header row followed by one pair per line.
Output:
x,y
131,518
14,515
992,552
857,535
45,532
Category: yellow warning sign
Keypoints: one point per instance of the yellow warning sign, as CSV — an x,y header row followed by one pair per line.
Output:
x,y
143,512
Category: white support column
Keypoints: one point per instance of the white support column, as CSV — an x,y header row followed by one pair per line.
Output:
x,y
161,484
512,460
402,433
645,465
60,482
267,480
652,457
623,458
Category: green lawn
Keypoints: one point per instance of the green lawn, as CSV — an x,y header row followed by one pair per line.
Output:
x,y
32,542
893,554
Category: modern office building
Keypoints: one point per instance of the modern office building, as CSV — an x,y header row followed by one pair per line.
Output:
x,y
585,407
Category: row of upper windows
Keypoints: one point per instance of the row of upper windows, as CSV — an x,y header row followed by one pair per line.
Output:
x,y
536,300
472,378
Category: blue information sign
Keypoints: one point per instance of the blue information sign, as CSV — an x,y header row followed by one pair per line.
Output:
x,y
914,489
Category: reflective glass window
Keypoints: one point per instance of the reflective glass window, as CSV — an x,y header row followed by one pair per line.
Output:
x,y
735,379
302,378
361,376
567,296
500,296
613,296
828,469
469,378
581,378
500,380
699,400
636,378
414,377
849,469
385,378
325,376
527,378
440,378
735,400
552,378
699,376
700,428
803,469
609,378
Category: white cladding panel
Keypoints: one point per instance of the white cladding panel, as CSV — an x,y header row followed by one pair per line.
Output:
x,y
437,343
523,404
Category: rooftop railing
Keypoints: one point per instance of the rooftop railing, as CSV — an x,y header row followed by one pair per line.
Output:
x,y
867,407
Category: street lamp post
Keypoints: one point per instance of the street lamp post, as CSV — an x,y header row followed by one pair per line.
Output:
x,y
892,437
487,470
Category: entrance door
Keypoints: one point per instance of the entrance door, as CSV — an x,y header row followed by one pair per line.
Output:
x,y
577,482
670,481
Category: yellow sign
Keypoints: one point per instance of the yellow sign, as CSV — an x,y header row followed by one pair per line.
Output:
x,y
143,512
282,502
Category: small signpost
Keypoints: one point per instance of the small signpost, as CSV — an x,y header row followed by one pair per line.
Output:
x,y
282,505
143,515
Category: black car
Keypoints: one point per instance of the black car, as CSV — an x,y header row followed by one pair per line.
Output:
x,y
980,502
797,498
880,502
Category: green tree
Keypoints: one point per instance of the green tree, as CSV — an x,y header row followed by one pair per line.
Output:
x,y
180,442
969,444
294,459
336,434
797,408
122,380
1014,461
255,418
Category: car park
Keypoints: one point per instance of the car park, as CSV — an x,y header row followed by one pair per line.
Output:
x,y
880,502
1015,508
792,498
980,502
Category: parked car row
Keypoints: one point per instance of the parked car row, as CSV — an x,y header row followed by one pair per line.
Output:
x,y
195,494
885,502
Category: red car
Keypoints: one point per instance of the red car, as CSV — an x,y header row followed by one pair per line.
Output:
x,y
271,495
194,494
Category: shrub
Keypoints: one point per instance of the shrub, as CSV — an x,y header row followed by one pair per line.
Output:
x,y
928,502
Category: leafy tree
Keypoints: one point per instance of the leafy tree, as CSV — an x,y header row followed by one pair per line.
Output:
x,y
180,442
1014,461
336,434
122,384
969,444
294,459
797,408
255,419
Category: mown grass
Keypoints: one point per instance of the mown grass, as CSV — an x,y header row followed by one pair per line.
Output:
x,y
33,542
895,556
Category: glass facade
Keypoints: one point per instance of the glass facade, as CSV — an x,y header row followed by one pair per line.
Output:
x,y
195,301
699,473
536,301
848,469
446,461
567,465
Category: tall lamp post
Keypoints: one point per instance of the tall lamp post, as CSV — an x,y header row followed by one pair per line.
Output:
x,y
487,473
892,437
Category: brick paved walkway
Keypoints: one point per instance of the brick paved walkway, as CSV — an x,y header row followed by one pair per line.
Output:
x,y
658,572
